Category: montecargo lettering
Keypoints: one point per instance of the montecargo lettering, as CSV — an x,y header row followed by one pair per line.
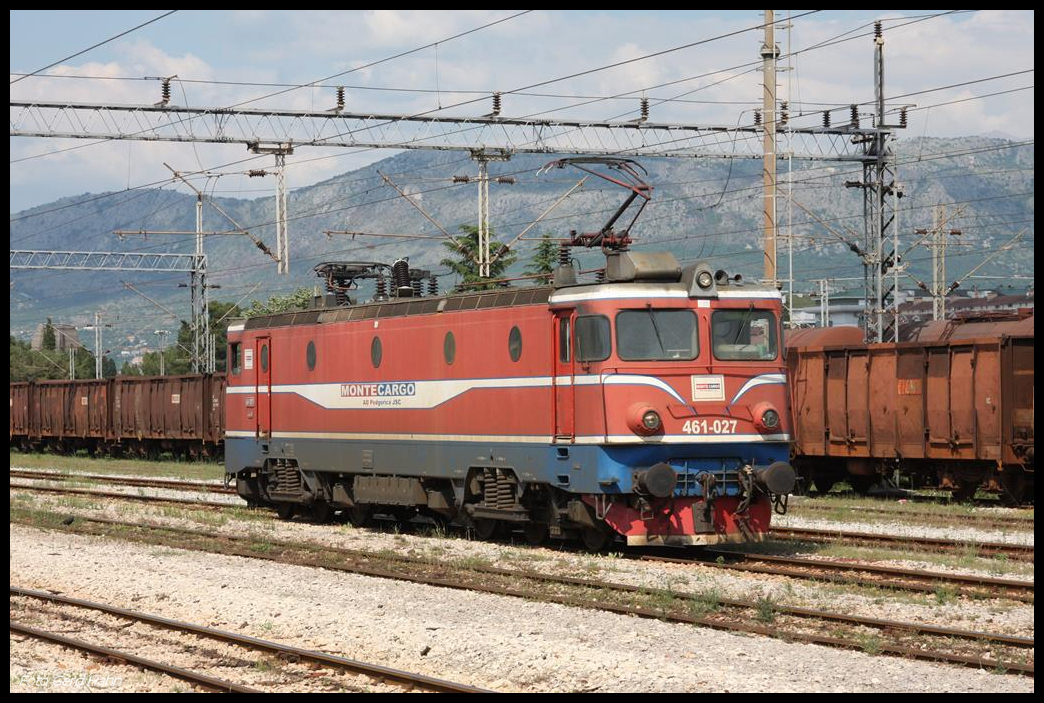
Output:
x,y
377,390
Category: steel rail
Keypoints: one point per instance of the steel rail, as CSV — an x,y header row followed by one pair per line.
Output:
x,y
309,655
796,508
1017,551
193,677
840,572
515,576
126,496
125,481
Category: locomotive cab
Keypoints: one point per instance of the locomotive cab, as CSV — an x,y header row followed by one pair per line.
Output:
x,y
672,383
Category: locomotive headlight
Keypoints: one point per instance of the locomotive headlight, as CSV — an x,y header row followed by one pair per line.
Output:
x,y
770,419
643,419
704,279
651,420
765,416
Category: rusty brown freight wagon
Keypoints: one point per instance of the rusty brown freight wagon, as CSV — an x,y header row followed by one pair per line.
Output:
x,y
132,415
953,407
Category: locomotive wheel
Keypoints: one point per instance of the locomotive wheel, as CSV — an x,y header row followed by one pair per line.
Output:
x,y
321,512
359,515
862,484
285,511
535,533
596,539
489,529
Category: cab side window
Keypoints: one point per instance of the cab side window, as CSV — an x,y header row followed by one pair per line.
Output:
x,y
235,358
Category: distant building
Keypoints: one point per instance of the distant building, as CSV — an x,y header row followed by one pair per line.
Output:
x,y
65,336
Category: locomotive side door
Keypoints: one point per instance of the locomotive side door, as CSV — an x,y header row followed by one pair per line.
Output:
x,y
263,385
562,382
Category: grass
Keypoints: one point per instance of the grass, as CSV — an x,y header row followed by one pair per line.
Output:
x,y
870,643
766,610
177,469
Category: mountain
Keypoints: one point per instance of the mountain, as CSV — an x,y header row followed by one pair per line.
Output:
x,y
708,208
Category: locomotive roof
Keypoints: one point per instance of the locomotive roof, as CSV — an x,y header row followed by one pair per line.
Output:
x,y
497,298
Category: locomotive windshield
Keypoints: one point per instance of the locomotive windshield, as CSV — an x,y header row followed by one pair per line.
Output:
x,y
748,335
656,335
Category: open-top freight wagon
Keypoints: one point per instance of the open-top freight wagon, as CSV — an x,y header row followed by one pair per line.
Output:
x,y
950,407
125,416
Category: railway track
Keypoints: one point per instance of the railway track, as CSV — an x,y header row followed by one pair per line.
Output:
x,y
284,651
1022,552
869,575
866,575
1001,521
167,500
1008,653
173,484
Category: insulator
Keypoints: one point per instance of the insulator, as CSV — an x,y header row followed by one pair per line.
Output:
x,y
600,275
877,29
645,109
418,287
496,104
381,291
401,274
433,286
462,179
855,115
757,118
902,118
826,119
783,115
256,173
563,254
166,91
340,98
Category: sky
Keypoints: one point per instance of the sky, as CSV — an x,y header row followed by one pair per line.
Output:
x,y
261,46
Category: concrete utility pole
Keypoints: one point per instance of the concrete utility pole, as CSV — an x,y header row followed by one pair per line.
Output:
x,y
769,54
280,151
161,334
97,345
483,157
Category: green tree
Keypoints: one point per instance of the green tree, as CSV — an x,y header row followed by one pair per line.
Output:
x,y
298,300
49,342
544,259
465,247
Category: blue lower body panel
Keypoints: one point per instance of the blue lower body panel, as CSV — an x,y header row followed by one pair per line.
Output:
x,y
573,468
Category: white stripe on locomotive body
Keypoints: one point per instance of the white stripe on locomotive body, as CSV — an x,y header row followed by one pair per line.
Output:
x,y
521,439
633,291
237,327
763,379
424,395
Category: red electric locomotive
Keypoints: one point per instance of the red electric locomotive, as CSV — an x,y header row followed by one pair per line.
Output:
x,y
651,405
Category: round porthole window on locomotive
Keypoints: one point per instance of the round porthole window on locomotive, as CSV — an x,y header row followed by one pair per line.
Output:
x,y
515,344
310,356
375,352
264,357
449,348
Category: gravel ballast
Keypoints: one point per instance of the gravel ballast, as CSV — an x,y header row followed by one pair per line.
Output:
x,y
484,640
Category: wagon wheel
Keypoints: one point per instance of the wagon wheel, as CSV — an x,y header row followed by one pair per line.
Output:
x,y
596,539
535,533
824,484
862,484
965,491
285,511
489,529
1013,486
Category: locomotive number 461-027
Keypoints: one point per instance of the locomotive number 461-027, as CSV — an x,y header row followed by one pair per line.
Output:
x,y
709,427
